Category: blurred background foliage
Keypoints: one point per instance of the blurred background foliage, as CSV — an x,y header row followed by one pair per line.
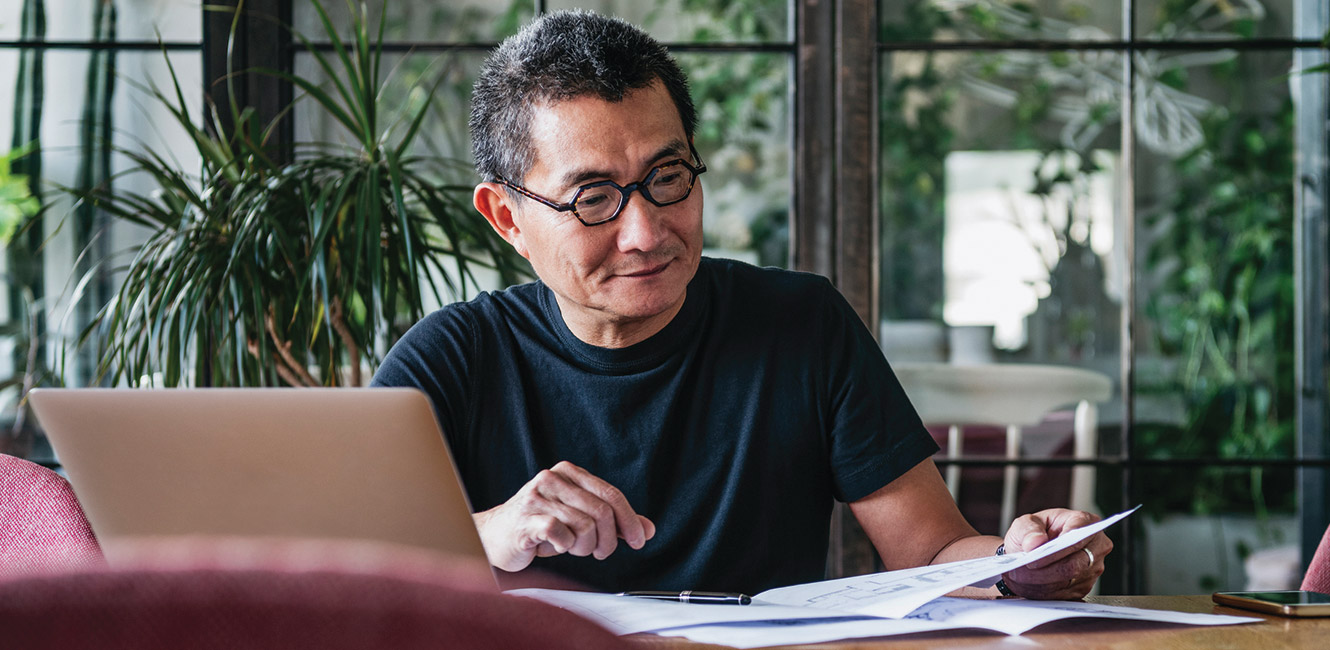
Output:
x,y
1214,235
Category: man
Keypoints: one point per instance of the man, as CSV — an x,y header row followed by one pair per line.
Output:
x,y
704,412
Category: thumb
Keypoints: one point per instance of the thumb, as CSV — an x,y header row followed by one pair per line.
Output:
x,y
1027,533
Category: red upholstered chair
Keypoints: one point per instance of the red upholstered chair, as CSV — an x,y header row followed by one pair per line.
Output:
x,y
253,595
1318,573
42,526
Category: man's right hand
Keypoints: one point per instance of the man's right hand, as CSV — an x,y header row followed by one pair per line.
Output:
x,y
564,509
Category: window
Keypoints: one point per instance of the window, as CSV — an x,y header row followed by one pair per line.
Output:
x,y
1019,207
1135,188
73,75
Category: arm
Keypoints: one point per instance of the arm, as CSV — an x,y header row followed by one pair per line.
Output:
x,y
913,521
564,509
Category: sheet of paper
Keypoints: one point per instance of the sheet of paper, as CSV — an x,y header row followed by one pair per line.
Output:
x,y
758,634
1006,616
894,594
628,615
1017,616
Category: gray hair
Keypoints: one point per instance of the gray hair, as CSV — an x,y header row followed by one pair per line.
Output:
x,y
561,56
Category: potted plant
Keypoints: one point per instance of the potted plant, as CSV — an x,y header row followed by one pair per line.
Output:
x,y
262,272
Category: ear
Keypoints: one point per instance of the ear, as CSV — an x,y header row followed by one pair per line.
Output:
x,y
492,201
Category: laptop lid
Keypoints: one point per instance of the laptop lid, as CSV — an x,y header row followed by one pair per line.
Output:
x,y
336,463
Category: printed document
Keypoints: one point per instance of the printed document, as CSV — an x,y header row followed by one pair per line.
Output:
x,y
880,604
891,594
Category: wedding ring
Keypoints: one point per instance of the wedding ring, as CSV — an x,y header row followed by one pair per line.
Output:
x,y
1091,554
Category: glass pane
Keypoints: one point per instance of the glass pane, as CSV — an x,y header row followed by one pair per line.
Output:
x,y
698,21
744,134
1200,20
444,131
439,21
1214,192
136,20
1249,540
1000,224
999,20
137,122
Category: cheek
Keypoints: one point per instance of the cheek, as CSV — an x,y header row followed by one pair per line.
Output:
x,y
571,253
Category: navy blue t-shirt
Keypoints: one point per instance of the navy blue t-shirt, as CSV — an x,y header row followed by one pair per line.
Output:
x,y
733,428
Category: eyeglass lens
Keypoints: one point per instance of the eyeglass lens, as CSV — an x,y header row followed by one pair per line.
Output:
x,y
666,184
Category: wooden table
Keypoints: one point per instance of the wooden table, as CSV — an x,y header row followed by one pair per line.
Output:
x,y
1086,633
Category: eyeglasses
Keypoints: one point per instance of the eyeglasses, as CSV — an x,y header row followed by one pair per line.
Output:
x,y
603,201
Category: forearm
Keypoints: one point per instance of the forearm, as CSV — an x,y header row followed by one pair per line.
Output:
x,y
966,548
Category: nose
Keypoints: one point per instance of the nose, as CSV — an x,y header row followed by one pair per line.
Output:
x,y
641,225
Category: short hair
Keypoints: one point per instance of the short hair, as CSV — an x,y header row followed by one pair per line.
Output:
x,y
560,56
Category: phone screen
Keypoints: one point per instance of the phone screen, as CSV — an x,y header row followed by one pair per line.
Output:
x,y
1286,597
1283,603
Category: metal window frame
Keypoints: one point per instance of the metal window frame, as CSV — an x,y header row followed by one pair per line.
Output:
x,y
835,225
834,215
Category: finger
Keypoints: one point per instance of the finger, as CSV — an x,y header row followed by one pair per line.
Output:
x,y
1066,572
1053,571
1075,590
1060,556
591,519
626,522
585,528
648,527
1099,545
1061,520
546,531
603,537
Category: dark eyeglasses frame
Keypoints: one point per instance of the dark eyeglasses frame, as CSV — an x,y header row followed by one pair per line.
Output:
x,y
625,191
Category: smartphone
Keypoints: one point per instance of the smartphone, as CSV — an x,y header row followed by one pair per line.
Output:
x,y
1284,603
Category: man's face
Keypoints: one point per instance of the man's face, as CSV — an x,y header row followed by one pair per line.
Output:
x,y
628,275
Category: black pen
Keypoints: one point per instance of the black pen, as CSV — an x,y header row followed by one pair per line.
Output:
x,y
694,597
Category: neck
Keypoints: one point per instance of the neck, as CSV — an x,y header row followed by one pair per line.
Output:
x,y
602,332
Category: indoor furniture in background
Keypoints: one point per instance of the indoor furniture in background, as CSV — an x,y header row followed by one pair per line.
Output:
x,y
1016,396
1318,572
229,593
42,526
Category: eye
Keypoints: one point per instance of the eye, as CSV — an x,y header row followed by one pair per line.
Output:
x,y
668,177
590,200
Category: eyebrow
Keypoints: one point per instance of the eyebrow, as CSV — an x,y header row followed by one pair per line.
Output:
x,y
577,177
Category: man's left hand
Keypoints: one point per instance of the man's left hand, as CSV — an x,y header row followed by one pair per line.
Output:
x,y
1066,575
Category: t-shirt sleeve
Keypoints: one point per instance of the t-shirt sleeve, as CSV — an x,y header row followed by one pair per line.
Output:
x,y
875,433
435,356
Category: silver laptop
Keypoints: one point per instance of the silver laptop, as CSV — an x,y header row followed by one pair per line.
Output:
x,y
338,463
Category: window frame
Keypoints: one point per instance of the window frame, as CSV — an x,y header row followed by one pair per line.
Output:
x,y
834,220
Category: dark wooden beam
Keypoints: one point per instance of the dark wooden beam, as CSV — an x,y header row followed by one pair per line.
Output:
x,y
813,223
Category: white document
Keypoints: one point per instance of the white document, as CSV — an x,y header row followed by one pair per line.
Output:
x,y
1007,616
628,615
894,594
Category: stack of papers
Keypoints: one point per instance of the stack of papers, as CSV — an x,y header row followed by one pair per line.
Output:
x,y
881,604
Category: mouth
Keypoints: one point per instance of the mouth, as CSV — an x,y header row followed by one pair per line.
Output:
x,y
650,271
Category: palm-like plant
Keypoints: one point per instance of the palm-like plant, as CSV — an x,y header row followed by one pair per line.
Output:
x,y
265,273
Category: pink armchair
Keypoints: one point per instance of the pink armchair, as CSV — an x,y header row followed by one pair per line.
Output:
x,y
282,594
1318,573
42,526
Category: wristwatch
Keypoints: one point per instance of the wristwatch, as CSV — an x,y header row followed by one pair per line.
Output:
x,y
1002,584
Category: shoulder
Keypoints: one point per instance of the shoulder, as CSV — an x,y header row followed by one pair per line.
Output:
x,y
489,307
457,332
773,287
